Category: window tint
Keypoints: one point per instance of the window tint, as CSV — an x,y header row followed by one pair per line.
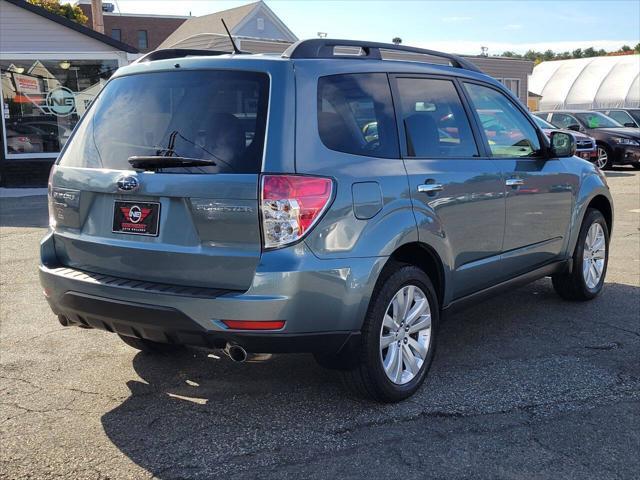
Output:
x,y
434,120
562,120
210,115
355,115
508,131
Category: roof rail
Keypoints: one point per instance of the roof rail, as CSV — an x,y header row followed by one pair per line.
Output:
x,y
167,53
324,48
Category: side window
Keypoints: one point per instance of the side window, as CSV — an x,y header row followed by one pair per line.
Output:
x,y
435,122
562,120
508,131
355,115
620,116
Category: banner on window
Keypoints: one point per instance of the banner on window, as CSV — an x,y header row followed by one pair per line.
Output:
x,y
27,84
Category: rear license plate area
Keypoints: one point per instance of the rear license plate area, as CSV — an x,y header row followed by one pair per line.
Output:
x,y
136,218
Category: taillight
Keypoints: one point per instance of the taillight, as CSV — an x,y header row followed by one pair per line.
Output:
x,y
291,205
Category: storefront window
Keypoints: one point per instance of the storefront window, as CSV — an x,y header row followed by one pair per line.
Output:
x,y
42,100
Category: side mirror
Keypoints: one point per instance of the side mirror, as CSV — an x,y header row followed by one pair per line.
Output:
x,y
575,127
630,124
562,145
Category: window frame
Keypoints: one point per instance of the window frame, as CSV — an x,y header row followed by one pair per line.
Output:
x,y
544,145
402,135
146,39
119,30
511,79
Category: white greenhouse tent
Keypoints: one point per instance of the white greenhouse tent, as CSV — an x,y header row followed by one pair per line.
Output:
x,y
586,83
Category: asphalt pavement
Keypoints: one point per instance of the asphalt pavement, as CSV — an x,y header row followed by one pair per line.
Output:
x,y
523,386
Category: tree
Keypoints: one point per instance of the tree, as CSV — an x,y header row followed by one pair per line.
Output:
x,y
511,54
625,48
531,55
397,40
637,48
590,52
548,55
577,53
66,10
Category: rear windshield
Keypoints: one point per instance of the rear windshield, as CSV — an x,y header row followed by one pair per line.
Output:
x,y
215,115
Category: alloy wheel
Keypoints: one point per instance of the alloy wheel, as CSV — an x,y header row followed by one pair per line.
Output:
x,y
405,334
603,158
594,255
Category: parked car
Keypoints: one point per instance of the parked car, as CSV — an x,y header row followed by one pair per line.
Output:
x,y
629,117
617,145
168,229
20,141
585,145
48,135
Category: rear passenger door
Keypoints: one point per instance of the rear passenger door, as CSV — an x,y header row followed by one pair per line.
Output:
x,y
456,190
539,190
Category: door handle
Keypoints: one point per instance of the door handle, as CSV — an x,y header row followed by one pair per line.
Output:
x,y
430,187
514,182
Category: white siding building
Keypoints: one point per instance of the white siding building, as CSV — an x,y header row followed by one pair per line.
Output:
x,y
49,69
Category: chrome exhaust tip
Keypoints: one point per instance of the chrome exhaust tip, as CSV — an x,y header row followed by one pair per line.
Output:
x,y
235,352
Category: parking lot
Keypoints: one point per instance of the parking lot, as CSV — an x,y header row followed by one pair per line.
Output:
x,y
522,386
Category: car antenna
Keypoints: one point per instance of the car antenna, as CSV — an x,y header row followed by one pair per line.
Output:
x,y
233,44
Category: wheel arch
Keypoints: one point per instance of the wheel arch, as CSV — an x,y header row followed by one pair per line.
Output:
x,y
603,205
597,196
424,257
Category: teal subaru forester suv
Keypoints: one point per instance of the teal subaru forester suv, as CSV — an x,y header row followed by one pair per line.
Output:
x,y
327,200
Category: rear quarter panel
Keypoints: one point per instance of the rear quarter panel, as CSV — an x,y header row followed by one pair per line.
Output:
x,y
340,233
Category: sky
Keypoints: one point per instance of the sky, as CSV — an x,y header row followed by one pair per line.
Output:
x,y
454,25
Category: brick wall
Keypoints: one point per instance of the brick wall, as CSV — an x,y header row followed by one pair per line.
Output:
x,y
158,28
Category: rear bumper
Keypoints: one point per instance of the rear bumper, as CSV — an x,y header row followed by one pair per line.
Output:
x,y
168,325
322,302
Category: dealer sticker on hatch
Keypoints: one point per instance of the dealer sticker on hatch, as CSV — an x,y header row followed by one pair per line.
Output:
x,y
138,218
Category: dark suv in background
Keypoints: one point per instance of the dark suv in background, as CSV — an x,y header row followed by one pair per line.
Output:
x,y
617,144
629,117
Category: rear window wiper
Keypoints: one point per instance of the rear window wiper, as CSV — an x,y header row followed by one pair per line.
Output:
x,y
156,162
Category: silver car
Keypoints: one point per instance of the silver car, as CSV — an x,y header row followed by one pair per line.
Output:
x,y
239,202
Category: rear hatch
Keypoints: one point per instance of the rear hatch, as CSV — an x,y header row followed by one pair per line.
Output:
x,y
181,224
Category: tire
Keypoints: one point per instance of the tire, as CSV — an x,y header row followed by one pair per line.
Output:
x,y
148,346
368,376
604,160
577,285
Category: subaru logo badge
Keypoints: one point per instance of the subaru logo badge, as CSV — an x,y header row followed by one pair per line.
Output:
x,y
128,183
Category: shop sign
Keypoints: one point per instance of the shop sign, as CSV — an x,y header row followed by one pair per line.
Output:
x,y
27,84
61,102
